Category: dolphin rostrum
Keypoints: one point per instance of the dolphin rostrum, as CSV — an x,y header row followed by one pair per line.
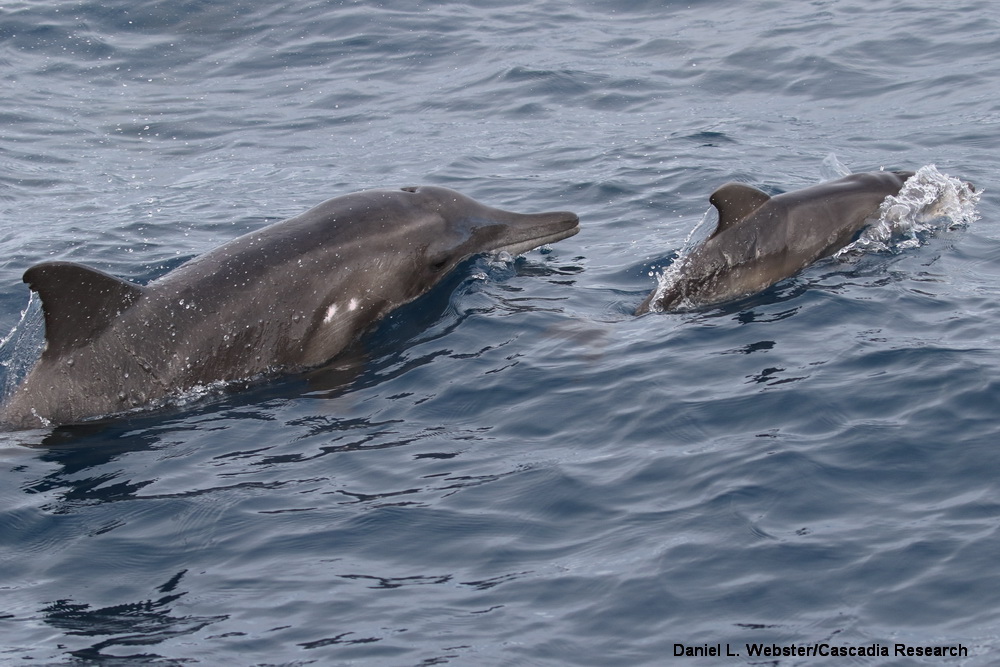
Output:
x,y
761,239
285,298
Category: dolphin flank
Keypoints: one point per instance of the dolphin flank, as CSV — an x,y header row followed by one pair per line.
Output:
x,y
285,298
762,239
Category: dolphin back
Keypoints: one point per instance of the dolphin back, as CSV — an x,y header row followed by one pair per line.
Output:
x,y
761,240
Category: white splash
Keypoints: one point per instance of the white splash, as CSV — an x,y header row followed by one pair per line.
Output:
x,y
928,201
832,168
45,422
666,278
20,348
500,259
190,395
24,313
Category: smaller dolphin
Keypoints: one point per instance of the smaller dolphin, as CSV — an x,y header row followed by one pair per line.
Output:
x,y
762,239
285,298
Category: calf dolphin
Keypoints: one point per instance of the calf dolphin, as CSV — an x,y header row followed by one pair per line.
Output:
x,y
285,298
762,239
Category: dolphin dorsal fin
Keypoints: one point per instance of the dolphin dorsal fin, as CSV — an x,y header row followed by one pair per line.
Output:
x,y
734,202
78,302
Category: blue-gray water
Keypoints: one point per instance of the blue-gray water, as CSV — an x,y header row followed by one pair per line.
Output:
x,y
523,473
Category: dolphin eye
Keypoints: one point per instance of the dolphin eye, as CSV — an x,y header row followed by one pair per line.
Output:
x,y
438,265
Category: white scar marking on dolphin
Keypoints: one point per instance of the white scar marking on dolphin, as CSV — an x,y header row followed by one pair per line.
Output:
x,y
353,305
330,312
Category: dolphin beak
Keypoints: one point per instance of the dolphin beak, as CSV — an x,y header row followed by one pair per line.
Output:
x,y
526,231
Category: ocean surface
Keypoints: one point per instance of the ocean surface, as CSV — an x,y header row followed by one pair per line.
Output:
x,y
522,472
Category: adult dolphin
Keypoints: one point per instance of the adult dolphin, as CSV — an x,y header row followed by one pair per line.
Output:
x,y
285,298
762,239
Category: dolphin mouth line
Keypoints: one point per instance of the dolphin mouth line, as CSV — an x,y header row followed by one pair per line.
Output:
x,y
524,246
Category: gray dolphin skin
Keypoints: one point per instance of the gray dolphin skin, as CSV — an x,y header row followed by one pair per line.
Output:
x,y
761,240
285,298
